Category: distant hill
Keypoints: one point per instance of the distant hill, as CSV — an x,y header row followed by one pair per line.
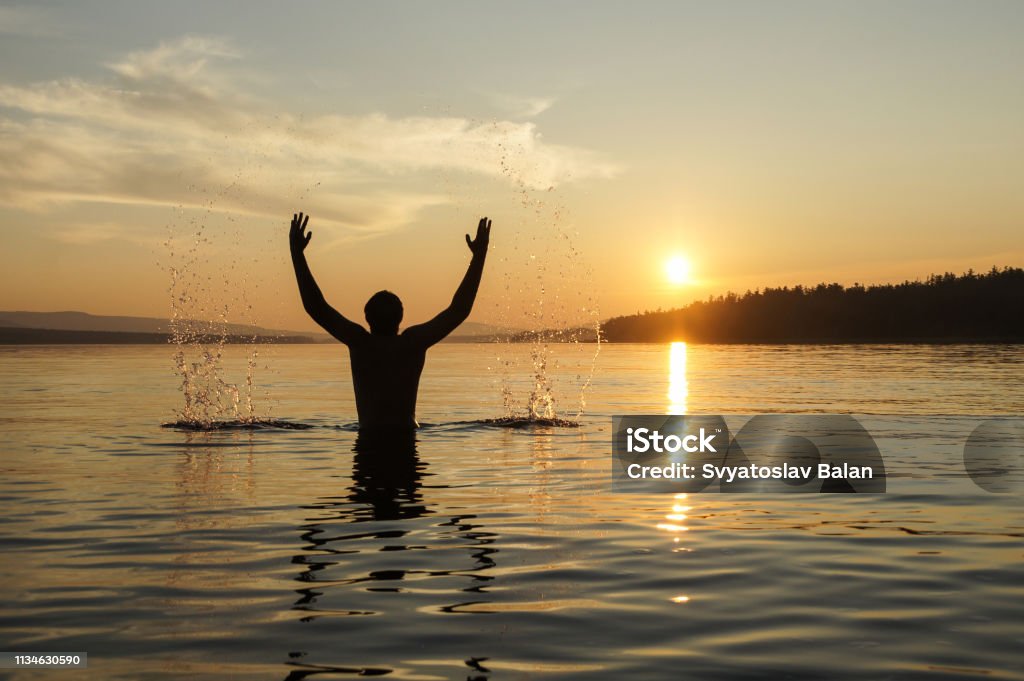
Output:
x,y
90,328
476,329
947,308
83,321
25,336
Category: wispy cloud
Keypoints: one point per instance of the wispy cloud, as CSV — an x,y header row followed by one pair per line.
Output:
x,y
169,125
523,107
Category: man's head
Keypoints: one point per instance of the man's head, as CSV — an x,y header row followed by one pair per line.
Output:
x,y
383,313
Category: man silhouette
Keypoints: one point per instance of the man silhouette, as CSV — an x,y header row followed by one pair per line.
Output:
x,y
386,365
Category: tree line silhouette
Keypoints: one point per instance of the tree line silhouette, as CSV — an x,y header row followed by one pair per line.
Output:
x,y
943,308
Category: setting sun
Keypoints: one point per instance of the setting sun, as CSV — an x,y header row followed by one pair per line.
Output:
x,y
678,270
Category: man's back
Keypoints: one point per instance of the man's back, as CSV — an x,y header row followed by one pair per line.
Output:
x,y
386,376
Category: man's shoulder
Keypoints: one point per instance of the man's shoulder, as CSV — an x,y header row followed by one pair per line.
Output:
x,y
413,336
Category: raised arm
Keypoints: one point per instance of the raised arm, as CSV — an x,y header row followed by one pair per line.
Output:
x,y
462,302
313,299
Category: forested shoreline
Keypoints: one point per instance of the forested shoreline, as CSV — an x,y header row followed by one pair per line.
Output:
x,y
970,307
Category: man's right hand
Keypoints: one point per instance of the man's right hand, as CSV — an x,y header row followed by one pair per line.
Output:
x,y
483,237
298,237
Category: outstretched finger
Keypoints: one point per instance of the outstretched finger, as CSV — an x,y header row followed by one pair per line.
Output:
x,y
469,242
305,222
309,235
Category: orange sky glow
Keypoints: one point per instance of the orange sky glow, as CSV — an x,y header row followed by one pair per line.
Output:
x,y
765,145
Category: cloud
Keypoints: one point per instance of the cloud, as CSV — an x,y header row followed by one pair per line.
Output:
x,y
169,127
523,107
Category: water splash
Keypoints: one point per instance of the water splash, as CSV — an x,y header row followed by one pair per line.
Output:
x,y
217,246
237,424
202,297
210,292
562,327
546,356
528,422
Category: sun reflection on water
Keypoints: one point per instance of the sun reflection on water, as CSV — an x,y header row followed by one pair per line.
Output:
x,y
678,391
676,517
678,388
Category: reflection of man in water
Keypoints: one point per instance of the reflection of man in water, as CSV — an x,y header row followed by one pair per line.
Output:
x,y
386,477
386,365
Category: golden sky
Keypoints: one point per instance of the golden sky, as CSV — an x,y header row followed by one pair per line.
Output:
x,y
766,143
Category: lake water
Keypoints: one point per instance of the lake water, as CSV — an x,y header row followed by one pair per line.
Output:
x,y
492,553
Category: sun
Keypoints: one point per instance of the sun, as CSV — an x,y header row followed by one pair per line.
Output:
x,y
678,269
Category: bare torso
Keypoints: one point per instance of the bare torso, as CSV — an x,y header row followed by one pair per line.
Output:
x,y
386,376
